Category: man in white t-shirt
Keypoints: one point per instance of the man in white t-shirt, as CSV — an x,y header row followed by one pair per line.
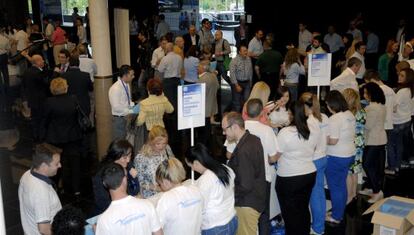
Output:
x,y
125,215
38,200
347,79
254,108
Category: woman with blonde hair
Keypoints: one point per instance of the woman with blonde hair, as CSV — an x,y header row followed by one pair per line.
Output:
x,y
260,91
354,105
292,68
318,124
180,206
60,127
155,151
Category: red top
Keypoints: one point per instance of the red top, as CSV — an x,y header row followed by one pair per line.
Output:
x,y
58,36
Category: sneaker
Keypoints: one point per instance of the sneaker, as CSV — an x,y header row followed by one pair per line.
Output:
x,y
366,191
312,232
389,172
376,197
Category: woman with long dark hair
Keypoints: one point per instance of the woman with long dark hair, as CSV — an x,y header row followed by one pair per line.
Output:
x,y
216,184
340,152
119,152
296,170
373,160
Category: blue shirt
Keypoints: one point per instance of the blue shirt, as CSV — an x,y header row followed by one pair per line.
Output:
x,y
372,43
190,67
334,42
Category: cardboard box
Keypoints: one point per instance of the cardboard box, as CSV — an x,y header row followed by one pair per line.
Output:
x,y
393,216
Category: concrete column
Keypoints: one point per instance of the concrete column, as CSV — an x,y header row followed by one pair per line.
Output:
x,y
101,51
121,26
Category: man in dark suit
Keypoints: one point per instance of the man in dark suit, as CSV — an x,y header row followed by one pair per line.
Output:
x,y
191,39
79,84
35,90
63,63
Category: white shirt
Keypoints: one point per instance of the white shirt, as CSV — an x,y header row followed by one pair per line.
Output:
x,y
22,40
180,210
279,117
297,153
218,199
321,129
128,216
38,202
171,65
119,94
88,65
341,126
49,31
362,69
158,54
305,38
81,33
267,138
389,104
255,47
402,106
346,79
4,44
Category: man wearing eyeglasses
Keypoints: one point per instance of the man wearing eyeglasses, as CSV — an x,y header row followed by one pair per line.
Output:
x,y
246,161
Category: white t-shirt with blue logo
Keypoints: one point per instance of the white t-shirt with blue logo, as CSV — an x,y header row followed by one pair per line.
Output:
x,y
180,210
128,216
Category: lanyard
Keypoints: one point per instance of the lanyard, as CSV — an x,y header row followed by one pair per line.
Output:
x,y
126,91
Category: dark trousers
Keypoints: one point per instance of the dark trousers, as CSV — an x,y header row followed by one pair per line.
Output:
x,y
373,162
294,195
70,173
264,221
203,134
170,91
272,80
4,79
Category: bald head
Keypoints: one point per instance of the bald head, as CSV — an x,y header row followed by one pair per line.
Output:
x,y
169,47
218,34
38,61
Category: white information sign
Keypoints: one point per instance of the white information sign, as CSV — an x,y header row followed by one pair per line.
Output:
x,y
191,106
319,69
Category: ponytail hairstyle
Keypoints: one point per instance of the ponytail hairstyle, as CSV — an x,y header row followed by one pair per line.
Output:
x,y
171,169
299,119
311,100
200,153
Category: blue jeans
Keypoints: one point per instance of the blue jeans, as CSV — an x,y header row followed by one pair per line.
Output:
x,y
118,127
336,173
228,229
396,144
318,200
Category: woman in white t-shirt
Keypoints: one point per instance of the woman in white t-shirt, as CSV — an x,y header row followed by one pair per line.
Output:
x,y
216,184
401,119
296,171
180,206
318,124
279,117
340,152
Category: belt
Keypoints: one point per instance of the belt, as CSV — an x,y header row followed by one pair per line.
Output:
x,y
118,116
243,81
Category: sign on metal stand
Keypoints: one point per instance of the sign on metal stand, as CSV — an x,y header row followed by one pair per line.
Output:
x,y
191,109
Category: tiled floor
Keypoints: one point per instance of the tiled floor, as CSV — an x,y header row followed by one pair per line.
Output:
x,y
14,162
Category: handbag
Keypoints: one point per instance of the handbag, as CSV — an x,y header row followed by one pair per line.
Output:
x,y
227,59
84,122
226,62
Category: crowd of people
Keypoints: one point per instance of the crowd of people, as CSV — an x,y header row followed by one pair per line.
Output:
x,y
283,142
